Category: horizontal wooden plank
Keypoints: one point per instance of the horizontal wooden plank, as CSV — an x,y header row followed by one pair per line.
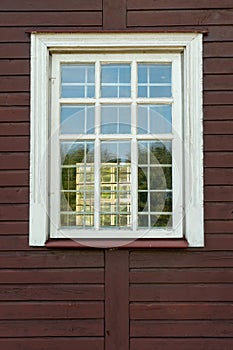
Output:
x,y
218,142
219,241
218,82
219,33
14,67
92,18
219,227
48,276
14,177
160,329
181,311
218,160
217,98
213,112
52,259
14,129
51,5
218,210
218,49
16,228
14,114
58,343
18,35
178,4
15,242
180,259
12,83
19,212
219,193
181,344
14,99
12,161
52,292
218,127
13,34
52,328
181,292
16,51
14,195
52,310
181,275
181,17
14,144
218,65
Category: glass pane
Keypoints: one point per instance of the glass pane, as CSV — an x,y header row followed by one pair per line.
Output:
x,y
124,91
142,73
109,91
143,220
154,182
115,80
77,80
154,80
116,119
160,178
69,179
115,152
155,152
161,221
160,73
77,119
143,153
77,183
142,179
73,91
155,119
68,220
160,201
160,152
68,201
143,201
160,118
115,174
160,91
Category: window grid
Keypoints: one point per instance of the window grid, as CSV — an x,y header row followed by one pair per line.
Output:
x,y
133,137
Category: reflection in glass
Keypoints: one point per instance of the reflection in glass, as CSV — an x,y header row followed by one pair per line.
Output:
x,y
115,80
154,184
115,176
164,221
154,119
116,119
160,201
154,80
78,80
155,152
77,119
77,184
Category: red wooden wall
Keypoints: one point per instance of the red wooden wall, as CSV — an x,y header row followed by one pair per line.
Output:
x,y
116,299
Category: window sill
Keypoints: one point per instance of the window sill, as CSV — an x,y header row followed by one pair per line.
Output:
x,y
119,244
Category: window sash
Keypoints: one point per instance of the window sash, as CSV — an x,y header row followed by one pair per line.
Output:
x,y
177,159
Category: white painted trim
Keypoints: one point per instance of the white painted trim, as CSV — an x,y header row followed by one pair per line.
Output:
x,y
39,139
193,143
190,44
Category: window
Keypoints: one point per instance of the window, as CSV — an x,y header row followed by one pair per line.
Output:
x,y
116,130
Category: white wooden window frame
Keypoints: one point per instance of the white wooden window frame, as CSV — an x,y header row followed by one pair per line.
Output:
x,y
188,46
176,137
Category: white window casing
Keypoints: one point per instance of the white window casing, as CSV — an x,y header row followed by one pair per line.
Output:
x,y
184,50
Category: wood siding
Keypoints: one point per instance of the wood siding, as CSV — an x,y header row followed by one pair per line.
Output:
x,y
82,299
